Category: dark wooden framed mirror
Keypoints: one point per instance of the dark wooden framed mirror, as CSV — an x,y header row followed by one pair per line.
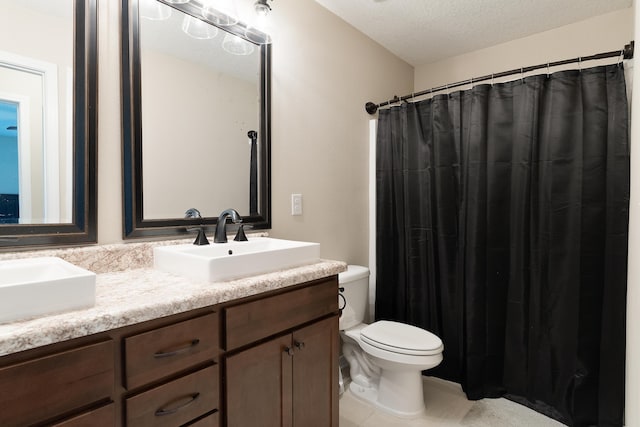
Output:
x,y
53,45
186,134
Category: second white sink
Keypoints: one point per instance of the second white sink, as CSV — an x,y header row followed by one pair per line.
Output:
x,y
224,261
45,285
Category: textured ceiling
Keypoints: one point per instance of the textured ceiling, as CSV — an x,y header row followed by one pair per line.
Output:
x,y
424,31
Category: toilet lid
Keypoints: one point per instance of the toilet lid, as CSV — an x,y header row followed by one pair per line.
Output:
x,y
401,338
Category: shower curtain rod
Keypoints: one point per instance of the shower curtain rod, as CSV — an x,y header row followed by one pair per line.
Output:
x,y
627,53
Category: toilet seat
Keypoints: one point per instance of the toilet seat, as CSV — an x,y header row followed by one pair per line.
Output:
x,y
401,338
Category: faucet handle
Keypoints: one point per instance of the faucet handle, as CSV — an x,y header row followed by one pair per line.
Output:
x,y
240,236
192,213
201,238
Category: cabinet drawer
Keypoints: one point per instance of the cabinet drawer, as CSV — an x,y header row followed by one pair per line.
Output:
x,y
101,417
161,352
212,420
252,321
177,402
46,387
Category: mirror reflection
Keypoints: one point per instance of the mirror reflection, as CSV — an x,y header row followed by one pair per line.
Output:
x,y
36,90
196,117
48,117
199,104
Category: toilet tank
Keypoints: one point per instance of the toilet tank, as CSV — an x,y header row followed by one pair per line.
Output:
x,y
355,282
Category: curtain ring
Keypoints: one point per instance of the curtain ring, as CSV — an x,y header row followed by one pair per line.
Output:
x,y
548,74
491,79
580,63
621,56
522,74
447,86
471,82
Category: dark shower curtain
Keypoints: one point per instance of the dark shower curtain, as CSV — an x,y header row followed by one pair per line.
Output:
x,y
502,215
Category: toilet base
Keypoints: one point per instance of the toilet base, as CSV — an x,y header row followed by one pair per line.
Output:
x,y
404,402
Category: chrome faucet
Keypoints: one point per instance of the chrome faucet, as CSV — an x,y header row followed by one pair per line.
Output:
x,y
221,226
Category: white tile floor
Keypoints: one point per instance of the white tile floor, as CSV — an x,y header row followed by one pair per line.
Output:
x,y
446,406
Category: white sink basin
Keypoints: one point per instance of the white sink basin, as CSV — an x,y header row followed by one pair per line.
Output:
x,y
224,261
37,286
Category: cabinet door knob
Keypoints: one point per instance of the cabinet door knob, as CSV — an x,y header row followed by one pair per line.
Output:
x,y
289,351
299,345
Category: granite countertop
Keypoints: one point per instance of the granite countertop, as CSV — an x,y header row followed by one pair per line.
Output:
x,y
136,295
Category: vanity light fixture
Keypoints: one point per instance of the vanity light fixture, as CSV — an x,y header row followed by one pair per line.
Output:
x,y
236,45
257,29
198,29
257,35
223,13
261,7
154,10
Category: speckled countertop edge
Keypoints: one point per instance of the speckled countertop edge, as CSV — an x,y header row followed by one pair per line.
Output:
x,y
132,296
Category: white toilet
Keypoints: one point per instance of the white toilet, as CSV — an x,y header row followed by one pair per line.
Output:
x,y
386,359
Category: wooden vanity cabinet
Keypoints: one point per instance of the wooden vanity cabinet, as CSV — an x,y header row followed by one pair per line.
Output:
x,y
290,379
163,372
189,349
275,356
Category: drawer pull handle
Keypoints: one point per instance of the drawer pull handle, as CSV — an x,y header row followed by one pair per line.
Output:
x,y
289,351
164,353
162,411
299,345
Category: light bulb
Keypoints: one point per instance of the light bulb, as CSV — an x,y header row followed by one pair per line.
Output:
x,y
262,7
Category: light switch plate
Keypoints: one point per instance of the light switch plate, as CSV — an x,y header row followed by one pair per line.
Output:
x,y
296,204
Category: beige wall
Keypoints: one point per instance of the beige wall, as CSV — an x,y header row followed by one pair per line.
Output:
x,y
323,73
599,34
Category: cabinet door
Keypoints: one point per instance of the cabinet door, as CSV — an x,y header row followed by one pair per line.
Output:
x,y
315,375
59,383
104,416
258,385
